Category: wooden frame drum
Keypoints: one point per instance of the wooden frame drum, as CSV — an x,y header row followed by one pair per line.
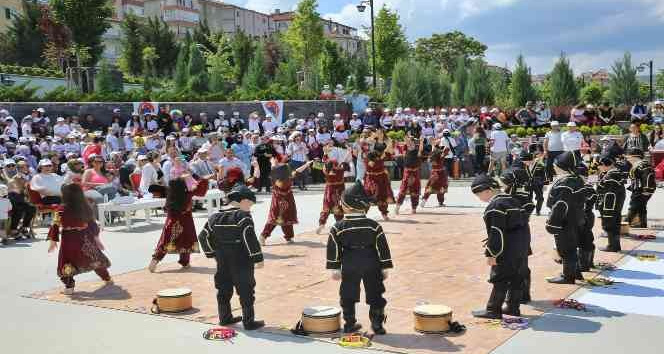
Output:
x,y
432,319
321,319
174,300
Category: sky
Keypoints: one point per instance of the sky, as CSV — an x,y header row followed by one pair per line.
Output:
x,y
592,33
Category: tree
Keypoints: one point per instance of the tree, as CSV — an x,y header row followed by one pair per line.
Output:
x,y
623,83
659,84
592,93
521,89
24,42
360,73
197,75
157,34
543,91
445,90
423,96
403,90
459,82
220,64
243,51
333,70
149,70
181,73
286,74
305,37
477,92
87,20
564,91
203,36
131,61
442,50
255,79
391,43
104,82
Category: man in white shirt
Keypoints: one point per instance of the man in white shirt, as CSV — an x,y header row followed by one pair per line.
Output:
x,y
253,122
355,123
231,161
201,166
553,146
447,141
47,183
150,180
499,140
297,151
61,129
214,148
572,140
269,125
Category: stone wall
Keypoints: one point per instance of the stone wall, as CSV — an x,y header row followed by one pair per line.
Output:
x,y
103,111
46,84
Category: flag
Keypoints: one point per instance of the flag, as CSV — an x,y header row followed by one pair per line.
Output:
x,y
274,109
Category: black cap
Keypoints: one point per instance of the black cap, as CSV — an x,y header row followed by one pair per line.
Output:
x,y
525,156
482,183
634,152
607,159
567,162
508,178
241,192
355,197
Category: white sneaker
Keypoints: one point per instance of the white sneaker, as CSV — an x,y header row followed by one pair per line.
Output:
x,y
68,291
263,241
319,230
153,266
396,209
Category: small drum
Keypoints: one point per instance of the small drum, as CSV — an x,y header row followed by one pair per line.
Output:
x,y
321,319
432,319
174,300
624,228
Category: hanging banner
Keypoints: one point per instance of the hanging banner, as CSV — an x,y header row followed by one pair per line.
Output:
x,y
274,109
144,108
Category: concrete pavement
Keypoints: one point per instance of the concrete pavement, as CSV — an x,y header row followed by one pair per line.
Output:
x,y
32,326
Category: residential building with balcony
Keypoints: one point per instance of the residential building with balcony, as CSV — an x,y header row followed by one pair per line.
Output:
x,y
9,9
230,19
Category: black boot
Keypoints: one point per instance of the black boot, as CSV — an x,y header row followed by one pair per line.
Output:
x,y
526,290
494,305
248,320
377,317
614,242
644,218
590,259
582,265
512,303
350,321
226,316
569,273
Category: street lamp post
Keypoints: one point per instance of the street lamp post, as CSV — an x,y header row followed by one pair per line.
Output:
x,y
641,68
361,7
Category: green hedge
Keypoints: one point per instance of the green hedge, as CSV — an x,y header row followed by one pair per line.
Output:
x,y
30,71
522,132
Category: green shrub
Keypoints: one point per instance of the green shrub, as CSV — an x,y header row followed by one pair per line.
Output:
x,y
521,132
62,94
397,135
18,93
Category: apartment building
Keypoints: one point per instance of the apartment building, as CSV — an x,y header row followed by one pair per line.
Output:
x,y
9,9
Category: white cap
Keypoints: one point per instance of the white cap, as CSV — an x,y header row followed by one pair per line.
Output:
x,y
291,114
497,126
484,109
446,130
60,119
116,110
45,162
555,123
41,110
236,113
141,158
337,115
4,111
321,115
221,113
571,124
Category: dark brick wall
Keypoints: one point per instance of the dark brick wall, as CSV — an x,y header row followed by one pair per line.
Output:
x,y
103,111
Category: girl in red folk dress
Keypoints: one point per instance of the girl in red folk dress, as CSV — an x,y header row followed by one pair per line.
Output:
x,y
377,180
334,187
80,248
179,234
410,183
437,183
283,211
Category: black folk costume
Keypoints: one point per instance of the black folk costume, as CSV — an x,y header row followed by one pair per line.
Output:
x,y
230,237
586,244
610,200
567,216
642,185
508,242
357,247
